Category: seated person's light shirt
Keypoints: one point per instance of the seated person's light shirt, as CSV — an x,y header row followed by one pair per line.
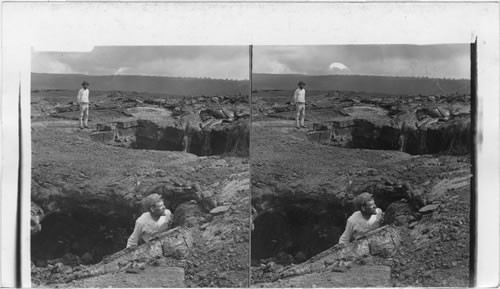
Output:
x,y
146,227
357,226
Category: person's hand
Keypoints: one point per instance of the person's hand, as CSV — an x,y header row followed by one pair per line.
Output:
x,y
380,218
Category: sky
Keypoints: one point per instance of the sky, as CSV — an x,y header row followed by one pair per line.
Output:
x,y
442,61
435,61
220,62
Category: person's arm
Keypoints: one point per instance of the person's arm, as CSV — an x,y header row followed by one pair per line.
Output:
x,y
347,235
164,227
295,95
79,96
133,240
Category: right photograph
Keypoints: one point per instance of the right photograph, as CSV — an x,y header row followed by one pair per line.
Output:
x,y
362,166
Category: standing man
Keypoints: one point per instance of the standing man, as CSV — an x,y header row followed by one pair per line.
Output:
x,y
83,103
299,99
367,218
156,220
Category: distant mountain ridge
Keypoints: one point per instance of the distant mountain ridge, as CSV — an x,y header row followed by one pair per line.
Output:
x,y
139,83
261,81
362,83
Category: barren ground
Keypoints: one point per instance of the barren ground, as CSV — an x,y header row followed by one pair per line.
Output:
x,y
302,192
90,193
89,184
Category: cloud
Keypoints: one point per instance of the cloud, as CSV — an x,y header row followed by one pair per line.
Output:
x,y
278,67
189,61
337,66
121,70
203,67
449,60
45,63
453,67
446,60
273,66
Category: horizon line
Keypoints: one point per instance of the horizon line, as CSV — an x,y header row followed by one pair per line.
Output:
x,y
247,79
376,75
145,75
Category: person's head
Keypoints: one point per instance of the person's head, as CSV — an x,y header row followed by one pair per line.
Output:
x,y
154,205
85,85
366,204
301,84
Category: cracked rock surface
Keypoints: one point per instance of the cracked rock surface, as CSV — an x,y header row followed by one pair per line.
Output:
x,y
304,182
86,197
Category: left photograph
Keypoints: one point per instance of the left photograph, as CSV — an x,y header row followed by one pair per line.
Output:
x,y
140,174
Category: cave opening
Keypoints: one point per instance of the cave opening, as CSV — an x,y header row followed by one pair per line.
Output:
x,y
229,138
81,235
452,137
293,231
296,231
84,231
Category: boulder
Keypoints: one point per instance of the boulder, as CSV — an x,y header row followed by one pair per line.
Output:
x,y
429,208
188,214
338,277
431,112
398,213
218,113
242,113
228,113
383,241
173,243
207,200
219,210
70,259
154,277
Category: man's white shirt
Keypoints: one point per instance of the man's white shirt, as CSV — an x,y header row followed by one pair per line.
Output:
x,y
83,96
299,95
357,226
146,227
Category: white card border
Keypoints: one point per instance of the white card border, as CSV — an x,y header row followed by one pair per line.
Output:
x,y
81,25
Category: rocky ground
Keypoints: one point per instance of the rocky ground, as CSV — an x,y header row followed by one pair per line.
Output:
x,y
411,152
87,186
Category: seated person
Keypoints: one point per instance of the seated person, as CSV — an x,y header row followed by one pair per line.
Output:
x,y
367,218
156,220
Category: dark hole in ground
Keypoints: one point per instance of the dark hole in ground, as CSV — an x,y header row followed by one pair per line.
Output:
x,y
297,231
229,138
90,229
450,137
89,234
